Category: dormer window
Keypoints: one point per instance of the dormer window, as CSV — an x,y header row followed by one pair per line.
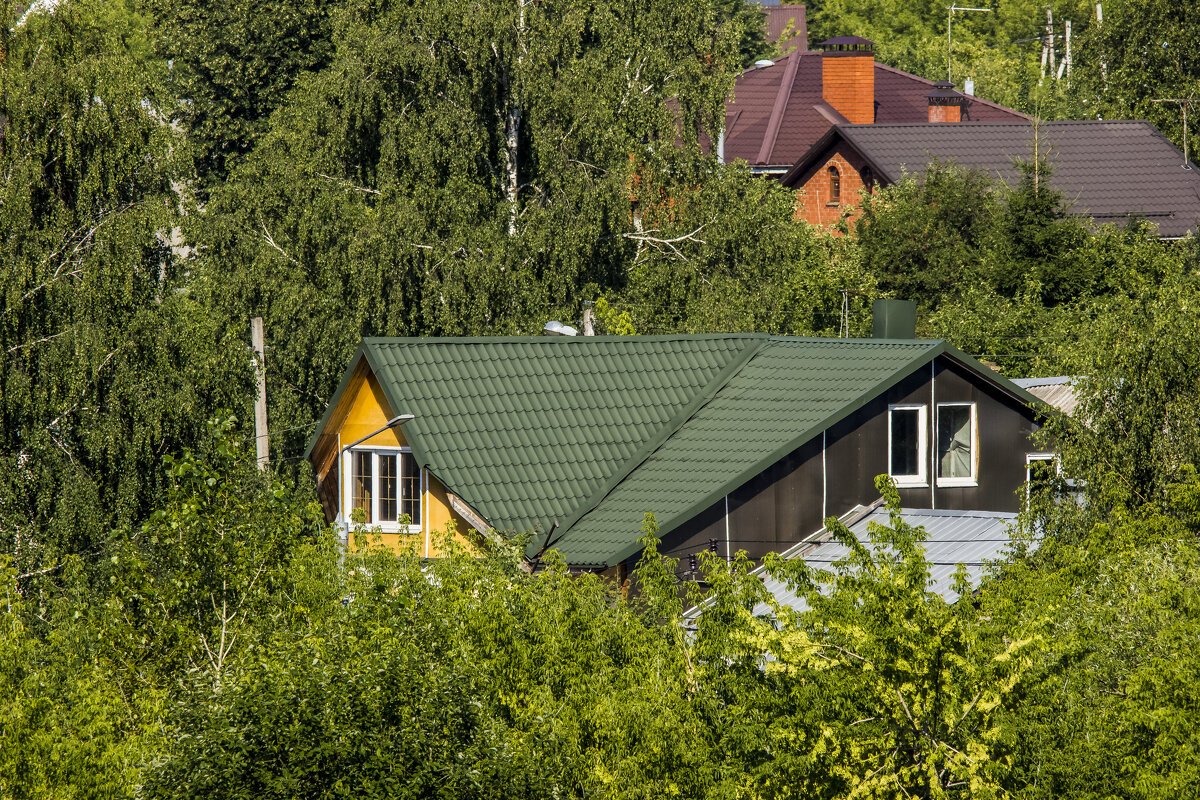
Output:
x,y
835,186
384,484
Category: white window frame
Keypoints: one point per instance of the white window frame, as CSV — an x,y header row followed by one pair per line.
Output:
x,y
415,525
973,480
921,478
1031,457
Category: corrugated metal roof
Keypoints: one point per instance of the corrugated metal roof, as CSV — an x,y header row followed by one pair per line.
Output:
x,y
969,538
1106,170
525,430
1058,391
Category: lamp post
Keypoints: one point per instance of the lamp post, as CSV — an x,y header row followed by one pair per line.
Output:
x,y
341,521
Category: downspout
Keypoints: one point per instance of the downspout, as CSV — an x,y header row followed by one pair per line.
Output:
x,y
728,538
933,427
824,478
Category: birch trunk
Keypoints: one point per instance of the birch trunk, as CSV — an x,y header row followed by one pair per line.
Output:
x,y
512,125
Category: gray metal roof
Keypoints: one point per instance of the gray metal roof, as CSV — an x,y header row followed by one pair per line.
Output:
x,y
970,538
1058,391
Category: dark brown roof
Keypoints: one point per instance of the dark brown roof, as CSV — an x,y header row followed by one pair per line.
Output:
x,y
777,19
1105,170
803,117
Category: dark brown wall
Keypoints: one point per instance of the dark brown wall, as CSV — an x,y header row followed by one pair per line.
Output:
x,y
790,499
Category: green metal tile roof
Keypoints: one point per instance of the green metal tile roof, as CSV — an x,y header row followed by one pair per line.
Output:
x,y
525,430
787,393
593,432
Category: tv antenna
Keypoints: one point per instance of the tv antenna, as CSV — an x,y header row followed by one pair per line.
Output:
x,y
1183,103
949,25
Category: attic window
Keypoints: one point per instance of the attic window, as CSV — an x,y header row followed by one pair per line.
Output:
x,y
908,446
957,450
385,485
835,186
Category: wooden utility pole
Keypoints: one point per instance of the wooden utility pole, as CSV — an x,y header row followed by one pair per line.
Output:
x,y
1048,43
260,400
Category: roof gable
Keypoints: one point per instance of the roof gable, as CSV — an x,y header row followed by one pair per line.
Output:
x,y
787,393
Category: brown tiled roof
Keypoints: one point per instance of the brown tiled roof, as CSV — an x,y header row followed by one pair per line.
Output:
x,y
777,19
1105,170
804,118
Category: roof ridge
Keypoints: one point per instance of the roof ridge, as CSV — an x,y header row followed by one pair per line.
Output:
x,y
668,430
782,96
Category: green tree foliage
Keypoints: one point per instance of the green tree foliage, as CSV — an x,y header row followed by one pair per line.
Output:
x,y
878,687
999,50
232,65
460,678
455,173
1145,50
104,362
926,238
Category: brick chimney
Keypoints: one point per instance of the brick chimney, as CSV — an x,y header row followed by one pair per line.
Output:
x,y
945,104
848,77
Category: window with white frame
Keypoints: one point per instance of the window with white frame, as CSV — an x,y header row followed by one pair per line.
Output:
x,y
1041,469
908,444
957,444
385,484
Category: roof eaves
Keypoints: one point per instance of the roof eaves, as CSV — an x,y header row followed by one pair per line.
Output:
x,y
347,374
801,167
807,165
995,378
412,429
668,430
935,349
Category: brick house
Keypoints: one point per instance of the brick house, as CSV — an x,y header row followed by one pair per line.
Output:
x,y
1108,171
781,108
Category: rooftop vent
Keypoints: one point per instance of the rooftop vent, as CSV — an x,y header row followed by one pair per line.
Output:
x,y
945,104
893,319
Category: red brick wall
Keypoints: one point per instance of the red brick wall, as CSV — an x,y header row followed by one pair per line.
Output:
x,y
812,201
945,113
848,84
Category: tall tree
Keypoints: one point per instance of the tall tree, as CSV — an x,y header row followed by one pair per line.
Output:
x,y
455,173
232,65
105,361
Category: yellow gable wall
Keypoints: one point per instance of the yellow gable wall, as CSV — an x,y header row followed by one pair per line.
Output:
x,y
369,411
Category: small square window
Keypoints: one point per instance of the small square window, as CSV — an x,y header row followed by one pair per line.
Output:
x,y
957,450
907,444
